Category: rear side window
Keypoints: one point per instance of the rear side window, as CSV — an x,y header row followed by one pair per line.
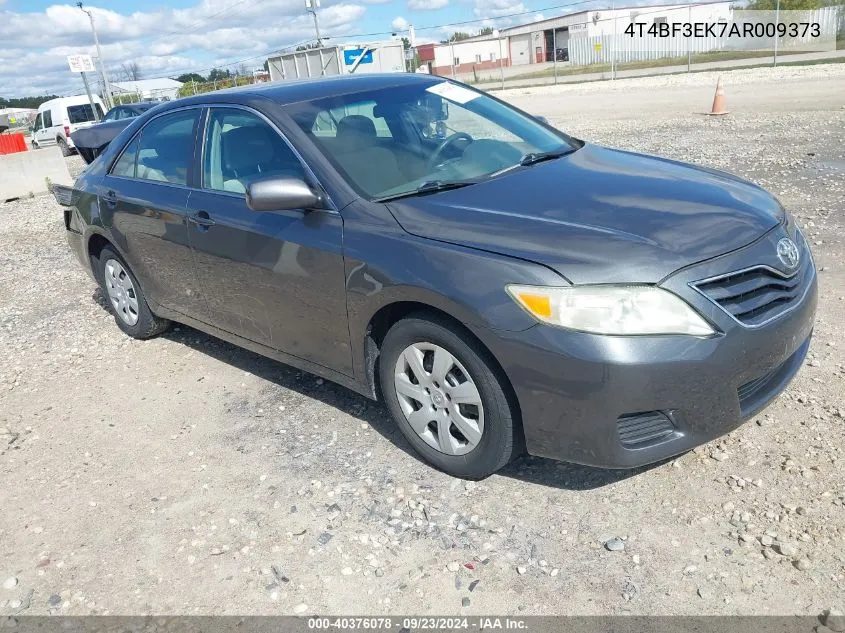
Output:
x,y
48,118
166,148
83,113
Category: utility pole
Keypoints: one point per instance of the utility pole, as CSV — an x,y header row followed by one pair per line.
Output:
x,y
103,78
777,21
311,7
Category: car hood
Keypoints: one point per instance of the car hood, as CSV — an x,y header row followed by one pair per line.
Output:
x,y
599,215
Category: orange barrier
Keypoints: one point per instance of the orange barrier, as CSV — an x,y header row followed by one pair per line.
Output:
x,y
12,143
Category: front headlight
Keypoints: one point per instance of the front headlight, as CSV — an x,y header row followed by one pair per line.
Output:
x,y
625,310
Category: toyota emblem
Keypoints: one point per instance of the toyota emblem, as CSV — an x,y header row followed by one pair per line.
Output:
x,y
788,253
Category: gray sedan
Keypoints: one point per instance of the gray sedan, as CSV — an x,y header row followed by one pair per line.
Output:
x,y
498,284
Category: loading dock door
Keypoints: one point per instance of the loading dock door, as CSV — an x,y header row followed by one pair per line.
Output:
x,y
520,49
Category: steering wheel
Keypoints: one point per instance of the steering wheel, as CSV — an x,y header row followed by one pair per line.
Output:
x,y
446,142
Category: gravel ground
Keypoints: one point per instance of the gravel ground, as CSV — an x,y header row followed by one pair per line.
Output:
x,y
184,475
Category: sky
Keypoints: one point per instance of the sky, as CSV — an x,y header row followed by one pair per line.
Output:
x,y
177,36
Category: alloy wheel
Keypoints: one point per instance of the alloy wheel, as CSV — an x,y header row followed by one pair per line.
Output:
x,y
439,398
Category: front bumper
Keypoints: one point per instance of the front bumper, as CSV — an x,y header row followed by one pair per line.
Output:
x,y
583,396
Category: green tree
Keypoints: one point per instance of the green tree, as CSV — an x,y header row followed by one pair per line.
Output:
x,y
457,36
188,77
31,103
487,30
217,74
785,5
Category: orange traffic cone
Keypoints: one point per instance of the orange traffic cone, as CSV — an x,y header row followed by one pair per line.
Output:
x,y
718,100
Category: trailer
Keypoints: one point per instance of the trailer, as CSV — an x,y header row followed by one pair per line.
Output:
x,y
374,57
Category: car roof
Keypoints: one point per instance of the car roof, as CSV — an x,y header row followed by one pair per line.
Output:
x,y
74,100
297,90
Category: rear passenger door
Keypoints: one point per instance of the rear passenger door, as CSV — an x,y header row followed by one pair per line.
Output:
x,y
275,278
143,201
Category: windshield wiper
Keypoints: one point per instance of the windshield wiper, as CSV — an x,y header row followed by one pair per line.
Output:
x,y
429,186
532,158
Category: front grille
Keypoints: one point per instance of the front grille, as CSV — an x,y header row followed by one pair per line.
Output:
x,y
756,295
642,429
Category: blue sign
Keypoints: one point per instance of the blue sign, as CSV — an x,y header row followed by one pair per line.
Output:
x,y
351,55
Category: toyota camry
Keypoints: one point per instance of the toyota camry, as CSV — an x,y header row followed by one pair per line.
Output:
x,y
500,285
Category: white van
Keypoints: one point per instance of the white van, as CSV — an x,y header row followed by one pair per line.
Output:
x,y
57,118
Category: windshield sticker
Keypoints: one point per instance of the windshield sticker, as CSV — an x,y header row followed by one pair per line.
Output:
x,y
453,92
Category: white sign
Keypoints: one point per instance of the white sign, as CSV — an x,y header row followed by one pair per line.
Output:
x,y
453,92
578,29
80,63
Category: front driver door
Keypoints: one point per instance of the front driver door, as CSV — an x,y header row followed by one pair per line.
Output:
x,y
276,278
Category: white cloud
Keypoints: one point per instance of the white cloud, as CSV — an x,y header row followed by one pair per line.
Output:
x,y
497,8
162,41
426,5
399,23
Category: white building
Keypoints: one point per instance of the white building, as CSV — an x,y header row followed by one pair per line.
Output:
x,y
475,53
163,89
542,41
535,43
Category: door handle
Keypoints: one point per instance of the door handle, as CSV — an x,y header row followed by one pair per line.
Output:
x,y
111,199
201,219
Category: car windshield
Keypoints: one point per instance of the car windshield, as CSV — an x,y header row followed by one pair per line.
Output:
x,y
415,139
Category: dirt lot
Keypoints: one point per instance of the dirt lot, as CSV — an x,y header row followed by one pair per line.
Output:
x,y
184,475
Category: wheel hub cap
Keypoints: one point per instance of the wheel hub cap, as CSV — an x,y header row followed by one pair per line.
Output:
x,y
439,398
121,292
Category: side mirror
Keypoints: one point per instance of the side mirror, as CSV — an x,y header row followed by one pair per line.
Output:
x,y
281,194
542,119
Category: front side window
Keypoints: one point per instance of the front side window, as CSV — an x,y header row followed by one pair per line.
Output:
x,y
165,149
241,148
113,115
48,118
393,141
125,165
38,122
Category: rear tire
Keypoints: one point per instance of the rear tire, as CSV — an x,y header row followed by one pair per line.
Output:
x,y
124,297
62,143
433,408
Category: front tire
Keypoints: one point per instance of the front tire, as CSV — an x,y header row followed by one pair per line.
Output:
x,y
447,397
125,298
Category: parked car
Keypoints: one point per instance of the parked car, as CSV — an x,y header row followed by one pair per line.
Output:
x,y
91,141
57,119
497,283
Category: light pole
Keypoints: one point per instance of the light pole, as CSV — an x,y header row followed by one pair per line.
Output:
x,y
103,77
501,69
777,21
452,53
311,6
614,43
